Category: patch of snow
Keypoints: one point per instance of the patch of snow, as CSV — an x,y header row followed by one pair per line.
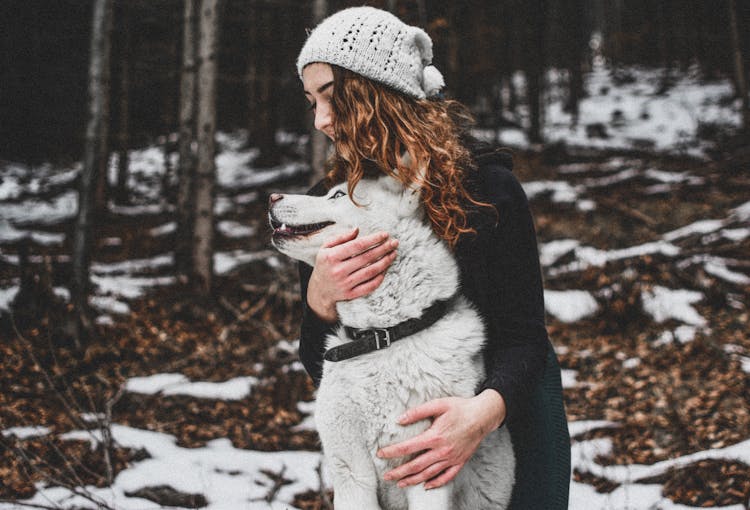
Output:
x,y
6,296
631,363
226,476
61,208
570,305
109,304
569,378
308,423
10,187
698,227
166,228
140,209
588,256
586,205
664,304
672,177
129,287
234,174
133,265
742,212
562,191
736,234
225,261
685,333
235,229
177,384
576,428
26,432
718,268
553,250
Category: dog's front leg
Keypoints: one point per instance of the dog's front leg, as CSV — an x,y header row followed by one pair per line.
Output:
x,y
433,499
355,481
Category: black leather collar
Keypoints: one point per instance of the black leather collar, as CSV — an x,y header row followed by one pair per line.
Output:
x,y
374,339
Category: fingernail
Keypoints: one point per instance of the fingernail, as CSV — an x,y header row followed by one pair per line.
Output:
x,y
427,486
379,454
402,484
394,243
402,418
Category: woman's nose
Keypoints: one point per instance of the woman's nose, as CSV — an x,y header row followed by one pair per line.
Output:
x,y
322,118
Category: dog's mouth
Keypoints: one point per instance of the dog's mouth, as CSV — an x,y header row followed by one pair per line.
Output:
x,y
284,230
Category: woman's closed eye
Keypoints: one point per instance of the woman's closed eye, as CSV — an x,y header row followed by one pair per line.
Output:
x,y
338,194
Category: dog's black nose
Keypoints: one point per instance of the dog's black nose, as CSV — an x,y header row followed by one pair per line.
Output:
x,y
275,197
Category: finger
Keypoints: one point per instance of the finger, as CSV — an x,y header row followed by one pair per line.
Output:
x,y
359,245
424,475
343,238
448,475
414,466
365,288
370,256
426,410
415,444
367,273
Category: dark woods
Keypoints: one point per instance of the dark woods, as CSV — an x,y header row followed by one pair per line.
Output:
x,y
80,81
478,46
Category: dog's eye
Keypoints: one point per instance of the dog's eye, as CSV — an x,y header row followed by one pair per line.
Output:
x,y
338,194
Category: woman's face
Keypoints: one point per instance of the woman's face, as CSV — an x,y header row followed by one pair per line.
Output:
x,y
317,80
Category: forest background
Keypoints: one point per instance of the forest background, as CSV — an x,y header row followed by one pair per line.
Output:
x,y
148,331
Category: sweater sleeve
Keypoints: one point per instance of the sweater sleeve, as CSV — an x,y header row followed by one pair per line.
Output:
x,y
313,331
513,295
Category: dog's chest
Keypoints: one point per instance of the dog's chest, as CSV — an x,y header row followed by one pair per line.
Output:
x,y
369,392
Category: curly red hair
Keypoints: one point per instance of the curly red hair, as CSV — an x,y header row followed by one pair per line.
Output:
x,y
374,125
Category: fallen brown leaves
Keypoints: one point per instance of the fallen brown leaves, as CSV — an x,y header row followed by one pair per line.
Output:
x,y
670,399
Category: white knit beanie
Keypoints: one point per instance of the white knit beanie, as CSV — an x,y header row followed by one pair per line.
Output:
x,y
377,45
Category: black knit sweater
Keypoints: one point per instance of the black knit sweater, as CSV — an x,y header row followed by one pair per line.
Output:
x,y
500,275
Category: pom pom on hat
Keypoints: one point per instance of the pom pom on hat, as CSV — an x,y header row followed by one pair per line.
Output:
x,y
432,81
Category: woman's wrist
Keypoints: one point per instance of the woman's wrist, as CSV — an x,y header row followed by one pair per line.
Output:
x,y
495,405
325,312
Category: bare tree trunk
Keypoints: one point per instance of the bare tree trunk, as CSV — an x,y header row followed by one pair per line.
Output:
x,y
577,39
251,76
205,175
94,162
267,95
123,136
318,141
535,69
739,66
187,159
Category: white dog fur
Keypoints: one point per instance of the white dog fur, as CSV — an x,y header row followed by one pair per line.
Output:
x,y
360,399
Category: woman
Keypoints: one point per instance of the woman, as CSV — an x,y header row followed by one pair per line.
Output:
x,y
368,78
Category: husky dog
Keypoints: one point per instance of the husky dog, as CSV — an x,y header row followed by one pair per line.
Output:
x,y
361,398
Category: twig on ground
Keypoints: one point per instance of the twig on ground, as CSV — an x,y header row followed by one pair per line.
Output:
x,y
278,482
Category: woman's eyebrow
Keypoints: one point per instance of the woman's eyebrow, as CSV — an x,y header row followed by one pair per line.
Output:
x,y
321,88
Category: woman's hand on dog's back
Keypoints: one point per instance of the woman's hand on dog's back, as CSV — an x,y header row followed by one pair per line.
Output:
x,y
346,268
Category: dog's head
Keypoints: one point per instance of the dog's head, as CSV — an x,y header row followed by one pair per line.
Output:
x,y
302,224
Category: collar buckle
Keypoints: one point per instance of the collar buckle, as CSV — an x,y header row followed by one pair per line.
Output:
x,y
381,335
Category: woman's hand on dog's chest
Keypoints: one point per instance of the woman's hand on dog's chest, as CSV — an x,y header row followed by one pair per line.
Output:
x,y
346,268
458,427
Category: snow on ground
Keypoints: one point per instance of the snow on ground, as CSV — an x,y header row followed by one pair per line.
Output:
x,y
228,477
663,304
631,115
570,305
236,388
